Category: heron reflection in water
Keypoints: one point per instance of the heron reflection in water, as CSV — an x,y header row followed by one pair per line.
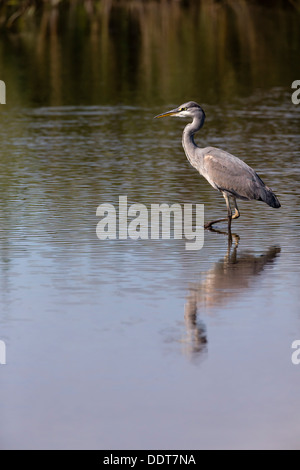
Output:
x,y
226,173
228,278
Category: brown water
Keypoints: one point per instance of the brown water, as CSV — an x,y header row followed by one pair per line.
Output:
x,y
143,344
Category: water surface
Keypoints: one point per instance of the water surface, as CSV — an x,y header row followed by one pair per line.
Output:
x,y
144,344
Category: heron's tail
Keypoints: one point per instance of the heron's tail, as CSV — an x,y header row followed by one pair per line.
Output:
x,y
267,195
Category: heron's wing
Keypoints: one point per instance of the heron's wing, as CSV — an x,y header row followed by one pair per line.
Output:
x,y
230,174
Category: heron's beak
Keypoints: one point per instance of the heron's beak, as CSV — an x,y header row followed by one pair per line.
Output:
x,y
173,112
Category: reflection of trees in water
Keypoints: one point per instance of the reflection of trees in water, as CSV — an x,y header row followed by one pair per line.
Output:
x,y
223,282
104,50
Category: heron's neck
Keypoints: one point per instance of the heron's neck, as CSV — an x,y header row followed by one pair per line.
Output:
x,y
188,142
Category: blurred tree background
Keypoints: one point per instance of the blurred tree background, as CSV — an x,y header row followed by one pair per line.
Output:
x,y
69,52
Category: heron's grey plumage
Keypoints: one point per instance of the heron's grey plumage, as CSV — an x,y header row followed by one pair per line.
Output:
x,y
231,175
225,172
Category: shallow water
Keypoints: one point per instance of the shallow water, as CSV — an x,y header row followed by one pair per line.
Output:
x,y
143,344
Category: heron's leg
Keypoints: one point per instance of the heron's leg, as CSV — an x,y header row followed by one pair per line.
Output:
x,y
229,212
236,210
210,224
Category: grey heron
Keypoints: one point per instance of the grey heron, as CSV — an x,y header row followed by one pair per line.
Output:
x,y
225,172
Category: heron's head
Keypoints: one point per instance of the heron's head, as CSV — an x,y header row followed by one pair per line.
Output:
x,y
189,109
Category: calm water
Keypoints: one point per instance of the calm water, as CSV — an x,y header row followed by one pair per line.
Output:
x,y
143,344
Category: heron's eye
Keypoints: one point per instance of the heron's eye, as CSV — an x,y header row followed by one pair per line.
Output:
x,y
182,109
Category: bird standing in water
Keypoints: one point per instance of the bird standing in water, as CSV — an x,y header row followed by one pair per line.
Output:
x,y
226,173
